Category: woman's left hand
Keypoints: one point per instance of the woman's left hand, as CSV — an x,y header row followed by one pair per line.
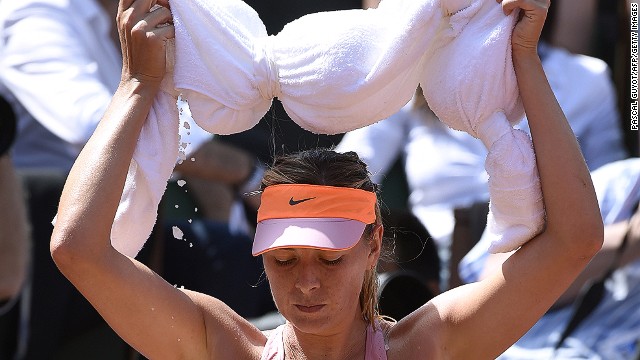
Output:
x,y
533,13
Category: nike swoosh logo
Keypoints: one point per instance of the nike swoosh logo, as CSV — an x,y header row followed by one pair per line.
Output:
x,y
296,202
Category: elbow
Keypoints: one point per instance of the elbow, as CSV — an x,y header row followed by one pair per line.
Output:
x,y
592,231
74,248
588,238
595,239
578,228
62,249
66,249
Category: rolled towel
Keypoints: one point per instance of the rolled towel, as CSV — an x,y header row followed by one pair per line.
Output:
x,y
330,80
361,70
153,161
470,84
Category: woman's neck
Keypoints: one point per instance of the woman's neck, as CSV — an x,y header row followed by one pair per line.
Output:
x,y
346,344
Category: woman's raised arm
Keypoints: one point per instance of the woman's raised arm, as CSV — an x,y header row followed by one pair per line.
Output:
x,y
483,319
160,321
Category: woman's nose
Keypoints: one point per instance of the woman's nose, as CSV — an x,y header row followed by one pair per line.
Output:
x,y
307,278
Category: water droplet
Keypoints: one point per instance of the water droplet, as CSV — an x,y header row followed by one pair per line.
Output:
x,y
177,233
181,183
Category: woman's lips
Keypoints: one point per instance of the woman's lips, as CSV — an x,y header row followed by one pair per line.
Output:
x,y
309,309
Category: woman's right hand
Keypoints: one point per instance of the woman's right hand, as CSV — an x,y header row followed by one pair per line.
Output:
x,y
144,30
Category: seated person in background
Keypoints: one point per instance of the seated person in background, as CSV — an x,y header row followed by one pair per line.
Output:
x,y
612,329
322,274
15,239
14,236
444,168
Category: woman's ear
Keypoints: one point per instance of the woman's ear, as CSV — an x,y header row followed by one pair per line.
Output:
x,y
376,245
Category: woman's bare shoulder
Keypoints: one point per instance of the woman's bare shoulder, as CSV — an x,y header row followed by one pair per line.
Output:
x,y
415,335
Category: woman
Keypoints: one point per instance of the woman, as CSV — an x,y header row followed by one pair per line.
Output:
x,y
320,283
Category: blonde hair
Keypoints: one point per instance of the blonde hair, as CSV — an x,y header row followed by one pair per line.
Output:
x,y
369,297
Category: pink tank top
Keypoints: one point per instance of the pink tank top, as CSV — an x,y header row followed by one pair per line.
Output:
x,y
376,348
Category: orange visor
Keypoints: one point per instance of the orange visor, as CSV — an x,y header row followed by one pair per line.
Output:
x,y
312,216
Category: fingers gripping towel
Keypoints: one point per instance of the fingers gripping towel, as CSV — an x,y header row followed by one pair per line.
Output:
x,y
470,84
361,70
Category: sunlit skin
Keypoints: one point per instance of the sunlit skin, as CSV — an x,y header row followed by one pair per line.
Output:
x,y
163,322
318,291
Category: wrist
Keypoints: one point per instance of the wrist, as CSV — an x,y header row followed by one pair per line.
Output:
x,y
526,61
525,53
141,86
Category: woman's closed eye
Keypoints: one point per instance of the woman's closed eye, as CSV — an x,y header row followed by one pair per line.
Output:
x,y
335,261
284,262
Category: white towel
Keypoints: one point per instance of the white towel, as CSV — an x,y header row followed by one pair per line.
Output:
x,y
362,69
330,80
470,83
153,161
